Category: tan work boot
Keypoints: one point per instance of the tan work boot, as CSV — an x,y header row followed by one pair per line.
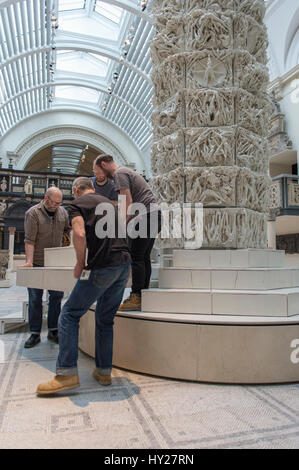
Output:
x,y
102,379
132,303
59,383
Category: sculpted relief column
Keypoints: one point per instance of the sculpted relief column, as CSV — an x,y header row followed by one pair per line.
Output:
x,y
210,122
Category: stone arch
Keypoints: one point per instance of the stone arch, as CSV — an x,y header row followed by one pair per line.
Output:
x,y
28,148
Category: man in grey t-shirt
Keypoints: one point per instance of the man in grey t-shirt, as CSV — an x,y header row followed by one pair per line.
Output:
x,y
133,186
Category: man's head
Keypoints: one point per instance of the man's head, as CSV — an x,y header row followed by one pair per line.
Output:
x,y
81,186
107,164
101,177
52,199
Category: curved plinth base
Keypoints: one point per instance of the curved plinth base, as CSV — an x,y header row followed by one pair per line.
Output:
x,y
203,348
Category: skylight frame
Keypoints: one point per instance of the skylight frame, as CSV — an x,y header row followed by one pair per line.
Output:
x,y
71,8
107,11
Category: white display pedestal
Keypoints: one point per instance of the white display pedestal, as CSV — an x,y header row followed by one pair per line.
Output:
x,y
224,316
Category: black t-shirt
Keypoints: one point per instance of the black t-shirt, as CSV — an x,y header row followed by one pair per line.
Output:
x,y
50,214
102,252
107,190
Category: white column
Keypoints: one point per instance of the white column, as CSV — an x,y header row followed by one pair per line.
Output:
x,y
12,231
271,231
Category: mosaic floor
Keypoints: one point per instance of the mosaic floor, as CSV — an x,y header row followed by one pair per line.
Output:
x,y
137,411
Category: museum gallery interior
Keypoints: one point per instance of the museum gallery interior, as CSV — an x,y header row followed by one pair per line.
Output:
x,y
200,98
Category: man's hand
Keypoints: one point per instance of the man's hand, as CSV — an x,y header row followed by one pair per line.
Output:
x,y
27,265
78,270
79,244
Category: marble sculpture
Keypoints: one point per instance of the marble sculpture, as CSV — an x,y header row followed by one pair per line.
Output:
x,y
211,116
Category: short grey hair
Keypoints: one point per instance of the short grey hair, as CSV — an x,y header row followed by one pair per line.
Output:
x,y
83,183
53,190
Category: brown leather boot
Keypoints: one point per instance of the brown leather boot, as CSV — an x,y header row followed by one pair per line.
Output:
x,y
133,303
59,383
102,379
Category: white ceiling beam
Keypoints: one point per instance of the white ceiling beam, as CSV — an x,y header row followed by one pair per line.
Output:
x,y
68,82
42,17
30,23
96,48
36,22
24,26
130,6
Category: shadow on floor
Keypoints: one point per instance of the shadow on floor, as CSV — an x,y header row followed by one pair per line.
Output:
x,y
90,391
121,389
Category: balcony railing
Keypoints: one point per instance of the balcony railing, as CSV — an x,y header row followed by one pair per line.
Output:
x,y
33,183
284,194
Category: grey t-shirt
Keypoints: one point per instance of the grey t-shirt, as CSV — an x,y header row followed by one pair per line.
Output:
x,y
125,178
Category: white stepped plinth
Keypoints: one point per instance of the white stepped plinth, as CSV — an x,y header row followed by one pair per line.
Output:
x,y
212,335
247,258
226,282
230,341
276,302
228,278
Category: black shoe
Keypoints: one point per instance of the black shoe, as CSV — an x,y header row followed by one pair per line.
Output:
x,y
53,335
32,341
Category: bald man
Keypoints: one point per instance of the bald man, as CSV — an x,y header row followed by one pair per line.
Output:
x,y
45,224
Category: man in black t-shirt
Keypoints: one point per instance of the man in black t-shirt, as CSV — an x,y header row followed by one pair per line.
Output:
x,y
94,222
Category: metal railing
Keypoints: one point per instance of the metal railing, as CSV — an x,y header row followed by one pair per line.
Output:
x,y
284,193
34,183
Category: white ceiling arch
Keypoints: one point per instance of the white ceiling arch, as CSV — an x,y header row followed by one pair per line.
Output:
x,y
33,144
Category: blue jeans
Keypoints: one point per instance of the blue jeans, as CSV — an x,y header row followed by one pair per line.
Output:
x,y
35,309
106,286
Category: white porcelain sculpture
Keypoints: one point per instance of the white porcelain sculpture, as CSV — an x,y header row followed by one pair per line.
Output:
x,y
211,116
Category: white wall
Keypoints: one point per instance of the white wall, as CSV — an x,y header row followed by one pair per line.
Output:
x,y
290,107
282,20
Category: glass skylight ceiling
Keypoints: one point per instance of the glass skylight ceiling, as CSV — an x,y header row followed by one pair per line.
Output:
x,y
81,62
72,53
77,93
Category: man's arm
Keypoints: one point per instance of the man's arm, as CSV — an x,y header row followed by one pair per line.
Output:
x,y
31,228
79,241
122,184
67,227
129,200
29,250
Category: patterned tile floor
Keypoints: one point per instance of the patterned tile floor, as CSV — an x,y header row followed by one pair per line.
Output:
x,y
137,411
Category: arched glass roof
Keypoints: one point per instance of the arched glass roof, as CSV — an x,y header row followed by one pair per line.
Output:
x,y
88,55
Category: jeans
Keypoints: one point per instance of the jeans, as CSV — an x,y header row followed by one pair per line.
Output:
x,y
106,286
140,249
35,309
